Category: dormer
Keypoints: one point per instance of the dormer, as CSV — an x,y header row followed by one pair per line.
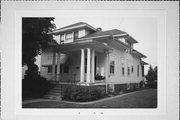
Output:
x,y
70,33
127,40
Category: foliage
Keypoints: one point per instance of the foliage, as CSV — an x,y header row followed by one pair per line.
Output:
x,y
152,74
99,77
35,88
151,84
35,37
152,77
83,93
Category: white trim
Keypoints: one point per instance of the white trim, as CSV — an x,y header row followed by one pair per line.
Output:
x,y
94,37
119,35
82,66
88,75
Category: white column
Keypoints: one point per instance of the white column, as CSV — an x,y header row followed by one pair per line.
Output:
x,y
92,65
88,65
54,65
82,66
107,70
58,65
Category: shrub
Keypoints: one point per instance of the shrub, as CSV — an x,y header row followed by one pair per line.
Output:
x,y
152,84
83,93
99,77
35,87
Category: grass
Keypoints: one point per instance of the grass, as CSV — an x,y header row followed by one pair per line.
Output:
x,y
141,99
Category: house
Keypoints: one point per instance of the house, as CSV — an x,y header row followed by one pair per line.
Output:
x,y
88,56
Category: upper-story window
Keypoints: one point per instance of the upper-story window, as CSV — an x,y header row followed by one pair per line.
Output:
x,y
69,36
76,34
62,38
125,42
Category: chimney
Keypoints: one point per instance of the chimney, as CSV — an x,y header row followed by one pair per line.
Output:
x,y
99,29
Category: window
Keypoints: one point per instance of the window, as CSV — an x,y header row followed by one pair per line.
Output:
x,y
76,34
128,71
68,36
132,69
142,70
123,71
138,70
66,69
62,39
61,69
112,64
50,69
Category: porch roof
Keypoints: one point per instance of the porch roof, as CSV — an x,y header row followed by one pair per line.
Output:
x,y
77,45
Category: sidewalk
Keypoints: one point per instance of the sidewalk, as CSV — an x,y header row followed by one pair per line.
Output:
x,y
91,102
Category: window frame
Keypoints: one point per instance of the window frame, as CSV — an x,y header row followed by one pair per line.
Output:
x,y
71,33
128,71
123,71
137,70
114,63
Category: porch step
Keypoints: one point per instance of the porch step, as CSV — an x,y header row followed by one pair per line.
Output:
x,y
55,93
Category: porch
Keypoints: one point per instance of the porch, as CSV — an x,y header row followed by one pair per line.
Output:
x,y
87,63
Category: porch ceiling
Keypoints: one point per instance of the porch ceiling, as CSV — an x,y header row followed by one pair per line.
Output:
x,y
74,46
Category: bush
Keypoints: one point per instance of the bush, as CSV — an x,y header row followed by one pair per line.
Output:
x,y
35,87
151,84
99,77
83,93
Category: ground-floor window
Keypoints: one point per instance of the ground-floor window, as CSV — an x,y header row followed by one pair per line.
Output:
x,y
138,70
49,69
128,71
132,69
123,71
112,64
66,69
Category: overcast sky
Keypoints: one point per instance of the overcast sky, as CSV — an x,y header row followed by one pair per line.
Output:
x,y
142,29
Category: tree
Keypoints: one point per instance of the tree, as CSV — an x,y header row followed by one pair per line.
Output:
x,y
35,37
152,74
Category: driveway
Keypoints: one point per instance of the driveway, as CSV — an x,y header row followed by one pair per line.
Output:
x,y
139,99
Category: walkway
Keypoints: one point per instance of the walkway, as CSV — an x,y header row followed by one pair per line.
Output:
x,y
139,99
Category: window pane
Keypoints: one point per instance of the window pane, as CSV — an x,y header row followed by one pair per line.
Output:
x,y
66,69
68,36
132,69
76,35
50,69
123,71
112,64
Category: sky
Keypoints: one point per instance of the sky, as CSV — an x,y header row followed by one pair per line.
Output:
x,y
143,29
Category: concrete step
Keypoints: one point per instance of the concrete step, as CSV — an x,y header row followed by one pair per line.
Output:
x,y
54,94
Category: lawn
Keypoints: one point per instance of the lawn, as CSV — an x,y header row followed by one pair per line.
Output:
x,y
141,99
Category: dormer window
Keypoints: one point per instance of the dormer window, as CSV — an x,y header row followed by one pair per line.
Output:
x,y
76,35
69,36
62,38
